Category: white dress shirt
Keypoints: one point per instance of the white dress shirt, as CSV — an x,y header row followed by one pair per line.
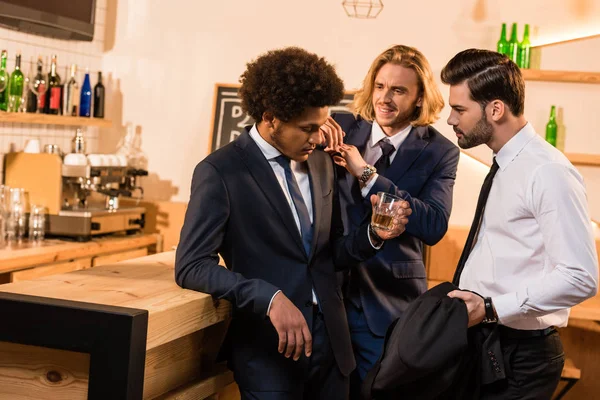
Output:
x,y
300,172
535,254
373,150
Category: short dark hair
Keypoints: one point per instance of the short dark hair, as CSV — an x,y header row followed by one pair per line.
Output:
x,y
286,82
490,76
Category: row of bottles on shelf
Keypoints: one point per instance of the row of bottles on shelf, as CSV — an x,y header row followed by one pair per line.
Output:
x,y
49,94
519,52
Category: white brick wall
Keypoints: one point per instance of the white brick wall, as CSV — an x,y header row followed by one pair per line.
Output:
x,y
85,54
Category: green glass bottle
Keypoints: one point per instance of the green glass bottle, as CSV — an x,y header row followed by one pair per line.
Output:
x,y
513,44
3,82
525,49
502,45
551,127
15,86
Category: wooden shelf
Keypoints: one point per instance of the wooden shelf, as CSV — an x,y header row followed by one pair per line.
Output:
x,y
592,160
561,76
45,119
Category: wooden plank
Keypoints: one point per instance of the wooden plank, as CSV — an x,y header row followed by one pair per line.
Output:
x,y
25,255
181,361
47,119
202,389
442,258
145,283
572,40
561,76
583,348
52,269
120,256
30,372
570,371
592,160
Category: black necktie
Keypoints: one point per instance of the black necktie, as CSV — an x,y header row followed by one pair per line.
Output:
x,y
306,229
386,151
483,196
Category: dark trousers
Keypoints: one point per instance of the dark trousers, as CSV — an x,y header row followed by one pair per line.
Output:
x,y
533,367
366,345
324,381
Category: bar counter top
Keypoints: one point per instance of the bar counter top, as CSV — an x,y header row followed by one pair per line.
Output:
x,y
14,257
174,332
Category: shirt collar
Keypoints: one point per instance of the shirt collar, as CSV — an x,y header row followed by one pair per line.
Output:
x,y
513,147
268,150
377,134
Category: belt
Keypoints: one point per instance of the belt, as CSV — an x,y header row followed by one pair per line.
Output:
x,y
511,333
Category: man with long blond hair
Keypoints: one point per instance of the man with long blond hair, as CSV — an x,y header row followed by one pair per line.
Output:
x,y
390,146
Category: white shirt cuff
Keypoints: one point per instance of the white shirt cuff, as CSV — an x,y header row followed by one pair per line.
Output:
x,y
367,188
507,307
371,241
271,302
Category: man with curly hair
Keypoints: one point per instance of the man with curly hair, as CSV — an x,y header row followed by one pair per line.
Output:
x,y
267,204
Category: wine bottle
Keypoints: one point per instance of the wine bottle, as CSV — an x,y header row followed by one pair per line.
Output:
x,y
551,127
513,44
525,49
99,98
15,86
71,95
35,100
85,101
4,77
502,45
53,93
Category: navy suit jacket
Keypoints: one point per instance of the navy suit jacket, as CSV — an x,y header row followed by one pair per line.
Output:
x,y
237,209
422,173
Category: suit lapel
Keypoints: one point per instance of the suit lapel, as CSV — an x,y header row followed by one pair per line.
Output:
x,y
408,152
317,199
263,174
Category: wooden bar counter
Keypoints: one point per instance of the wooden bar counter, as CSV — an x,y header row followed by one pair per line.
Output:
x,y
117,331
29,260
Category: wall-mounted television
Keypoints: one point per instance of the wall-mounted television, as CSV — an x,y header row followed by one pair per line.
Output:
x,y
61,19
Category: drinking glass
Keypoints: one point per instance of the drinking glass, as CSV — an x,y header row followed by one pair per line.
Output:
x,y
385,210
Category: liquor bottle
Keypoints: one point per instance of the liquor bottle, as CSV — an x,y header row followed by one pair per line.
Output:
x,y
35,100
85,101
551,127
502,45
15,86
99,98
513,44
53,93
3,82
525,49
71,95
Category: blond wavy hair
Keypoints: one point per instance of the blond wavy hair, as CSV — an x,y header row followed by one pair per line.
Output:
x,y
408,57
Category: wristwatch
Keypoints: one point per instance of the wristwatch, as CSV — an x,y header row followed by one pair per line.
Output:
x,y
490,312
367,172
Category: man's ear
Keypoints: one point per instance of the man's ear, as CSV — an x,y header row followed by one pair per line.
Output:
x,y
420,102
268,119
497,110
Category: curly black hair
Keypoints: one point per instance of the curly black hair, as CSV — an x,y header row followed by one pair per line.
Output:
x,y
287,81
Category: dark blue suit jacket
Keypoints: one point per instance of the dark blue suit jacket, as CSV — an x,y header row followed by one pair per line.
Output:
x,y
423,173
237,209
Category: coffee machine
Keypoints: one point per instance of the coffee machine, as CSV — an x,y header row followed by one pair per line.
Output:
x,y
82,200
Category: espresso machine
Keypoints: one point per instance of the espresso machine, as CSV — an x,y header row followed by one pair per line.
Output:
x,y
82,200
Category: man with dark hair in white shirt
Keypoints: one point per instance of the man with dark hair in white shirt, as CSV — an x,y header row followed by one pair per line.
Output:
x,y
530,255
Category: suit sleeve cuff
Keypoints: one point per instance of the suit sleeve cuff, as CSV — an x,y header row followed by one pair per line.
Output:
x,y
271,302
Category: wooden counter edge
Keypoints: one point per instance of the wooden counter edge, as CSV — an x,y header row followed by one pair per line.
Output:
x,y
67,251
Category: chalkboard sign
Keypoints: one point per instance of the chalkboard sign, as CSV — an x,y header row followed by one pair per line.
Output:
x,y
229,120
